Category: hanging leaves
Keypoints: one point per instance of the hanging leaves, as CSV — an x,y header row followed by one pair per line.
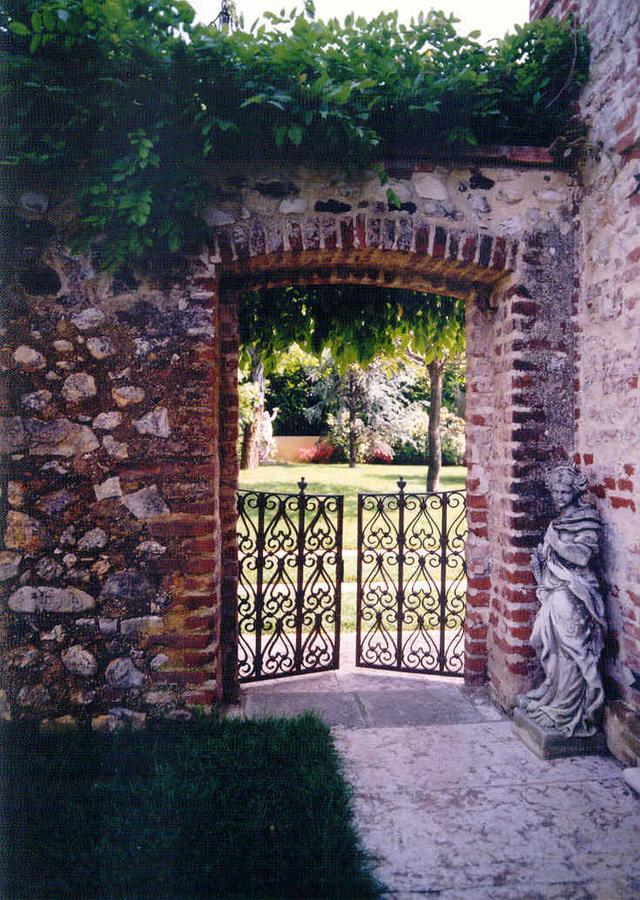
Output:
x,y
137,100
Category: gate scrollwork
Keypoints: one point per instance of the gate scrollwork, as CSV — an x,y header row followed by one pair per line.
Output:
x,y
411,581
290,566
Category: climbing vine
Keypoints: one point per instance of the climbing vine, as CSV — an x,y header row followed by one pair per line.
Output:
x,y
139,105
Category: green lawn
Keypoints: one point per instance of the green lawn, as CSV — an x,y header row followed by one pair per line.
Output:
x,y
247,810
340,479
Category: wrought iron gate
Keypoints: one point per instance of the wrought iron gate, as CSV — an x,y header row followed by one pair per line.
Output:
x,y
290,555
411,581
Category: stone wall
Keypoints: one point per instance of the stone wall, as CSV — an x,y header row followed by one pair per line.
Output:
x,y
119,568
606,313
109,572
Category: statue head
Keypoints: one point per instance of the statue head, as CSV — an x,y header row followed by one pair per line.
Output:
x,y
566,484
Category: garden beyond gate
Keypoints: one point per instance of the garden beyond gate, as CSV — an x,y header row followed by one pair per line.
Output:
x,y
411,582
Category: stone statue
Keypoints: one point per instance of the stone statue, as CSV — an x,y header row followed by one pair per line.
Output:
x,y
268,446
569,629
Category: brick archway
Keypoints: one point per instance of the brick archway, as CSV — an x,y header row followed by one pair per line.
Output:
x,y
511,293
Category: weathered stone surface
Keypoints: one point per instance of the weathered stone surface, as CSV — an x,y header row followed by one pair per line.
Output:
x,y
25,533
57,634
510,195
160,698
78,387
60,438
150,548
115,449
37,400
129,716
33,697
146,503
105,724
479,204
293,205
34,201
430,187
9,565
158,661
23,658
197,322
550,743
13,436
549,196
109,488
60,723
93,540
127,395
106,421
88,319
48,569
16,494
82,697
128,585
29,359
141,625
55,503
123,673
155,422
217,218
100,347
108,627
68,536
63,346
80,661
49,599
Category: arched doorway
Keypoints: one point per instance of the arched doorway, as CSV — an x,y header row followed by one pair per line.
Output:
x,y
518,370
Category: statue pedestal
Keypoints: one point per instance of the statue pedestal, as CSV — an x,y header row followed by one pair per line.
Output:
x,y
547,743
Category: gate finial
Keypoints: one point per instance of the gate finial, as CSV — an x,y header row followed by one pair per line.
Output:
x,y
401,484
302,484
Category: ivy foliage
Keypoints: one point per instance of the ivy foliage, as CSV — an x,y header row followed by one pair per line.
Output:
x,y
355,323
138,104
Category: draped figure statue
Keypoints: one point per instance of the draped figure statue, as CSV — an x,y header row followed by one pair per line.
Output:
x,y
570,626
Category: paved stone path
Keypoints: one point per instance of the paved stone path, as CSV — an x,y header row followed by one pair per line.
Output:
x,y
451,804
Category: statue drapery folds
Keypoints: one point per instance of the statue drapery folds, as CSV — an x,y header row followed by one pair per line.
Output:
x,y
570,626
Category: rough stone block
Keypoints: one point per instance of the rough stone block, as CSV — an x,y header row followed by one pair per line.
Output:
x,y
548,743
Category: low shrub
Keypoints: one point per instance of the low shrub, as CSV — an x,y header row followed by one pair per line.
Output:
x,y
319,453
381,452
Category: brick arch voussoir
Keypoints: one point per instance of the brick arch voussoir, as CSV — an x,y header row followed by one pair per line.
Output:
x,y
396,250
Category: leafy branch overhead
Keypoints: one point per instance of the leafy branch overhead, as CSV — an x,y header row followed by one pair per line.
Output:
x,y
356,324
138,104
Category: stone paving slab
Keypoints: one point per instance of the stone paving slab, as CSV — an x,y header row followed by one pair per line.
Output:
x,y
432,706
618,889
421,703
333,708
467,811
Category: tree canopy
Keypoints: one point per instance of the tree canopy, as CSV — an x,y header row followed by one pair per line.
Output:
x,y
138,104
356,323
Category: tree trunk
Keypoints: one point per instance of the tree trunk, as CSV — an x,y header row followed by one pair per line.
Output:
x,y
352,402
353,447
434,449
250,452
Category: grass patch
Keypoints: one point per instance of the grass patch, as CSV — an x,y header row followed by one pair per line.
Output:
x,y
216,809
